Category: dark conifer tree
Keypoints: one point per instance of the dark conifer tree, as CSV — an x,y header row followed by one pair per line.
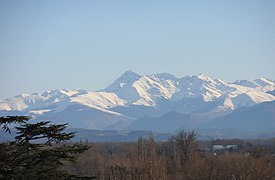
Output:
x,y
37,151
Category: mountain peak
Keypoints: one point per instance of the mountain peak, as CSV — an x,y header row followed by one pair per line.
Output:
x,y
204,77
264,82
130,73
128,76
123,86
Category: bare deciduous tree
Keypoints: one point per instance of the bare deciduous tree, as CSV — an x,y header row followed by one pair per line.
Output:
x,y
185,142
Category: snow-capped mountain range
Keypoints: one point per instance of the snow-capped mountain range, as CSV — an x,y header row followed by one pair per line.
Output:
x,y
134,96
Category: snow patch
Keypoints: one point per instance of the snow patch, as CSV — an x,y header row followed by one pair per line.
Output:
x,y
39,112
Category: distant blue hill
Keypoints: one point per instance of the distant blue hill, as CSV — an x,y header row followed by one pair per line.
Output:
x,y
91,135
256,118
166,123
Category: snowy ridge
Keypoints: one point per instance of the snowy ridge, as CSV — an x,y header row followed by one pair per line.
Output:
x,y
263,84
201,85
60,99
198,94
244,97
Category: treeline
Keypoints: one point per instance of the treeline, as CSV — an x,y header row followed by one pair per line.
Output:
x,y
182,157
42,150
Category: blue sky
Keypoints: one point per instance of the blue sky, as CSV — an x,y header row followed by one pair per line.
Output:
x,y
87,44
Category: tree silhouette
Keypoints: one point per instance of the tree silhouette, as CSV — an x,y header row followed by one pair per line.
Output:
x,y
36,152
185,142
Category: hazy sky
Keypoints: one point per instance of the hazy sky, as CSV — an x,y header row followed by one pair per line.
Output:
x,y
88,44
